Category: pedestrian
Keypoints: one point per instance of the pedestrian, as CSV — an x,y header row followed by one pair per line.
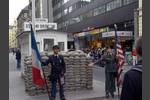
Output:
x,y
109,62
18,58
132,84
57,72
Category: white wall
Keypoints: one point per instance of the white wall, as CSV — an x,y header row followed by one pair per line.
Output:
x,y
25,42
40,35
57,36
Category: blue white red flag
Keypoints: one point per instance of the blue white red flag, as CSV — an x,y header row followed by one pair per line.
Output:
x,y
36,62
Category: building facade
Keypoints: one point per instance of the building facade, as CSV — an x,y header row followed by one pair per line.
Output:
x,y
43,9
91,18
138,20
12,36
140,17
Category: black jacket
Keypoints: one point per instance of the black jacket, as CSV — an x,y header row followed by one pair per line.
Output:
x,y
132,85
57,64
18,55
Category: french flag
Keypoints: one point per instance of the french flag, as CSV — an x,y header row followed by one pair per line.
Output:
x,y
37,74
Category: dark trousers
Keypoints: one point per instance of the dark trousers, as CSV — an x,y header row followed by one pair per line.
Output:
x,y
18,63
110,82
54,89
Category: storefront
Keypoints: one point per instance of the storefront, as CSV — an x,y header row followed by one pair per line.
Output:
x,y
90,38
126,38
101,37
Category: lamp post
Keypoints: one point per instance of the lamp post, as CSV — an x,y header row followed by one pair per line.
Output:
x,y
116,37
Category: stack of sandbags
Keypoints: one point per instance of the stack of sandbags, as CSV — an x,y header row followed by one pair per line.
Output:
x,y
78,73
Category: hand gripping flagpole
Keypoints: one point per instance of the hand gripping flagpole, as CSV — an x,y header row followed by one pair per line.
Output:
x,y
33,24
116,40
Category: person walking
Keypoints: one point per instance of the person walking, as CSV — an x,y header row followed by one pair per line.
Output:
x,y
132,84
18,58
58,70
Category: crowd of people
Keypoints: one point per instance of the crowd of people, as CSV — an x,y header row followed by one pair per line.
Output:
x,y
96,53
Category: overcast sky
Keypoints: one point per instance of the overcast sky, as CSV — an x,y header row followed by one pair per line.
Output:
x,y
15,6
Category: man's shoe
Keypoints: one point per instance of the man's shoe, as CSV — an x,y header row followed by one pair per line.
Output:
x,y
107,95
63,99
112,95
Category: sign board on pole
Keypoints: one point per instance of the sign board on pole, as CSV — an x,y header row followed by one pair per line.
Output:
x,y
40,26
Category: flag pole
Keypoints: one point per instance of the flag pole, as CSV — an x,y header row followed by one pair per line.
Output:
x,y
33,24
116,40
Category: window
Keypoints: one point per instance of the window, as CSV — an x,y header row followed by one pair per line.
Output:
x,y
70,9
65,11
74,20
117,3
126,2
66,23
99,10
84,2
61,46
110,6
87,15
59,26
48,43
65,1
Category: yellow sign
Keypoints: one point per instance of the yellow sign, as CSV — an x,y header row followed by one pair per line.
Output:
x,y
103,30
95,31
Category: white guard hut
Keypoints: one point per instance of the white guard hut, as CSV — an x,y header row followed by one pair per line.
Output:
x,y
45,39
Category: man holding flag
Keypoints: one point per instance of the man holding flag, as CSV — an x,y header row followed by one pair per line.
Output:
x,y
58,70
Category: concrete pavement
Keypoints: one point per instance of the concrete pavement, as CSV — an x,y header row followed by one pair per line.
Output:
x,y
17,90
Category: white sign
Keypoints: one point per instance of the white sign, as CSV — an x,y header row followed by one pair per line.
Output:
x,y
81,34
108,34
38,20
40,26
119,33
124,33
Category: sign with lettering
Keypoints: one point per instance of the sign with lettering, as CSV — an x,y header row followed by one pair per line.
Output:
x,y
119,33
40,26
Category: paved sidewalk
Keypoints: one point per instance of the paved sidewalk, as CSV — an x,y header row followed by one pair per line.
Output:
x,y
17,89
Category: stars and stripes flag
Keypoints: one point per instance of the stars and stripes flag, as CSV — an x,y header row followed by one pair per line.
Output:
x,y
120,62
36,62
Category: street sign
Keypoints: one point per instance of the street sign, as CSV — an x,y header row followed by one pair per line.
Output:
x,y
40,26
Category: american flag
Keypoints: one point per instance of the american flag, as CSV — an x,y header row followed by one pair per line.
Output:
x,y
120,62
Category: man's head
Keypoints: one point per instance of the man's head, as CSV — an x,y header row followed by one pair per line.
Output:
x,y
139,47
108,49
56,49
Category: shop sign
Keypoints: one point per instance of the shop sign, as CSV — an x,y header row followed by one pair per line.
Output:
x,y
108,34
95,31
119,33
81,34
125,33
101,30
